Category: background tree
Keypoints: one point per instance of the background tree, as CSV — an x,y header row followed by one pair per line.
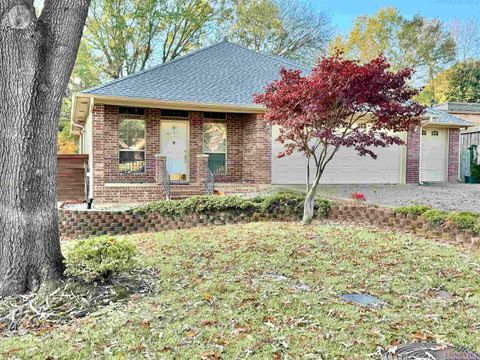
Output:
x,y
38,54
440,84
427,47
420,43
284,27
464,82
466,34
327,109
372,36
125,36
85,75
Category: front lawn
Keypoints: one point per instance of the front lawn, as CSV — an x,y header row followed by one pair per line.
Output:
x,y
268,290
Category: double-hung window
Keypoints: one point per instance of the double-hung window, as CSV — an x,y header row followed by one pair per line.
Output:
x,y
215,145
131,146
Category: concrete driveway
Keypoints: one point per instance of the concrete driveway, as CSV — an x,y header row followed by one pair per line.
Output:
x,y
463,197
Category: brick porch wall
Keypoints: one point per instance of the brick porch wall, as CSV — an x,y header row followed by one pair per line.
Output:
x,y
413,154
248,154
453,155
257,152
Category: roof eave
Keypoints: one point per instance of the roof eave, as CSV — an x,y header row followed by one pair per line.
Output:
x,y
169,104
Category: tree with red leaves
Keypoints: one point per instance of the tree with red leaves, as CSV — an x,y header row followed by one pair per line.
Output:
x,y
340,103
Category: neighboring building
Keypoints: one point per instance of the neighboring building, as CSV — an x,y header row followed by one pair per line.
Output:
x,y
166,127
469,112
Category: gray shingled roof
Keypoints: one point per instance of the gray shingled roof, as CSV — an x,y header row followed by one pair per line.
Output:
x,y
459,106
223,73
443,118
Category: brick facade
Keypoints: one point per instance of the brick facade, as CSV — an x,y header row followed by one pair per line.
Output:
x,y
453,154
414,149
248,153
413,155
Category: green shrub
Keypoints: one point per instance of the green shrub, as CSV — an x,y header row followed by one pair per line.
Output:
x,y
413,209
463,220
99,258
206,204
323,209
476,228
476,172
282,200
233,203
294,202
435,217
163,207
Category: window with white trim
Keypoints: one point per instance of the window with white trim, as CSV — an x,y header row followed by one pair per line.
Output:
x,y
215,145
434,133
131,146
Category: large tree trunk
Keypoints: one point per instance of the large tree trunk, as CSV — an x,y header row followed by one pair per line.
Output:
x,y
36,60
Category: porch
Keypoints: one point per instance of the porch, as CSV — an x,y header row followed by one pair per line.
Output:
x,y
147,154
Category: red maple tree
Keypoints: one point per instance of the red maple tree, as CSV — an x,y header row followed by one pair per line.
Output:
x,y
340,103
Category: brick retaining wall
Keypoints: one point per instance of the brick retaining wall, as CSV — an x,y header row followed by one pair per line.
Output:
x,y
76,224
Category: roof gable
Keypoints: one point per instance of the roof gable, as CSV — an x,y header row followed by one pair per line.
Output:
x,y
440,117
223,73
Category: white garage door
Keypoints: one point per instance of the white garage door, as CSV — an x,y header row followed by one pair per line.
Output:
x,y
345,168
434,155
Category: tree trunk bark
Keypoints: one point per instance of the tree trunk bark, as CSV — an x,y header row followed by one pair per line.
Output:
x,y
309,205
36,60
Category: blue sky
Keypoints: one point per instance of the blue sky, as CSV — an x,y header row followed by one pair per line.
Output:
x,y
343,12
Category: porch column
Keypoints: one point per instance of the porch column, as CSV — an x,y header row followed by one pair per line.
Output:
x,y
202,166
413,154
160,167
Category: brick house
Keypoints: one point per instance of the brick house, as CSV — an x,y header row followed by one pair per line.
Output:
x,y
174,128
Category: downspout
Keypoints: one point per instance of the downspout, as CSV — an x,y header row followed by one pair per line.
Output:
x,y
82,138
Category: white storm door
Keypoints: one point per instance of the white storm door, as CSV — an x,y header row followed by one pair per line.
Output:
x,y
174,143
433,155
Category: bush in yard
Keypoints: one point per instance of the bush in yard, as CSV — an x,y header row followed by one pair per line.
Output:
x,y
463,220
435,217
476,228
99,258
206,204
294,202
232,203
200,204
413,209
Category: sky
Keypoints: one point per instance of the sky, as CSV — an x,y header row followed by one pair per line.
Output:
x,y
343,12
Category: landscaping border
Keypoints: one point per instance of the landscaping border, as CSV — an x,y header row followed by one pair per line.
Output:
x,y
77,224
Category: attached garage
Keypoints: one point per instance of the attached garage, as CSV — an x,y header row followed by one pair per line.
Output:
x,y
434,155
345,168
430,155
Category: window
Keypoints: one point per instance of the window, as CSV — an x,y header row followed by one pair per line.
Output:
x,y
131,146
174,113
424,132
131,110
215,145
215,115
434,133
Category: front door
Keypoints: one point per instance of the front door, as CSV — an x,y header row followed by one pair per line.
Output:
x,y
174,144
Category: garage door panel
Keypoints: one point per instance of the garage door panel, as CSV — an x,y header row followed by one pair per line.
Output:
x,y
347,167
434,155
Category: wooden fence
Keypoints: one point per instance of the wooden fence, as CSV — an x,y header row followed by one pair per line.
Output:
x,y
469,138
71,170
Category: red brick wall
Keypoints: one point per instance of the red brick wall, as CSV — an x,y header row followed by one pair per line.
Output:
x,y
413,155
257,153
248,152
453,155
